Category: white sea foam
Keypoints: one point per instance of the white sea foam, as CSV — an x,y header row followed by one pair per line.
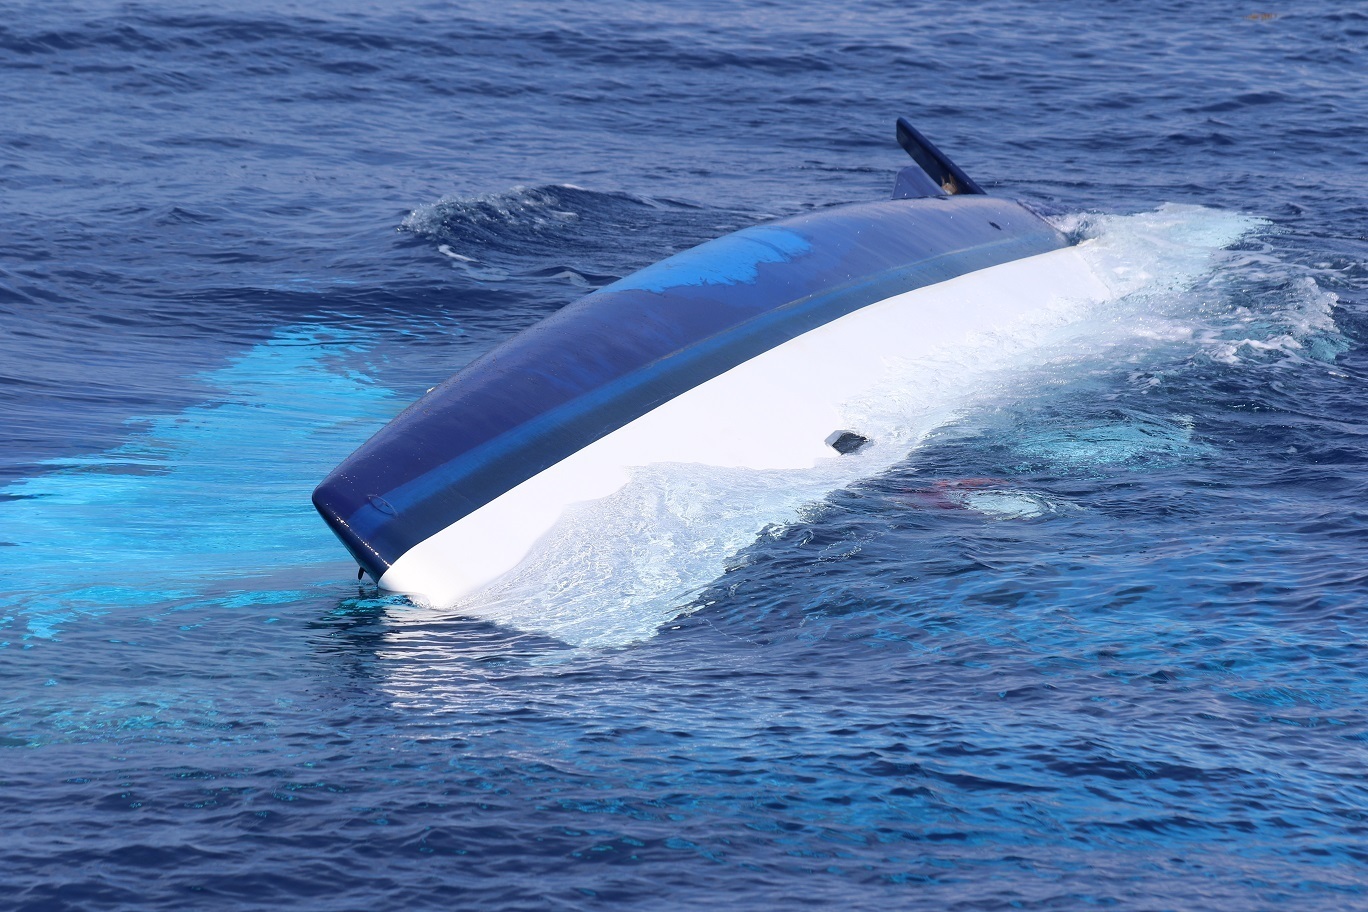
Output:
x,y
526,207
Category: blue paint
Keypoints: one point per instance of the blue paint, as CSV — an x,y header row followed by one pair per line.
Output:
x,y
1150,697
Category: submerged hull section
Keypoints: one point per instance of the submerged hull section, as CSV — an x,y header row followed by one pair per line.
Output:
x,y
740,352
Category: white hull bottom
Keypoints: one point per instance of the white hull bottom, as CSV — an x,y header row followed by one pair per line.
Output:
x,y
775,411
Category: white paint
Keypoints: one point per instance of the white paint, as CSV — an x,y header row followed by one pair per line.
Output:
x,y
775,411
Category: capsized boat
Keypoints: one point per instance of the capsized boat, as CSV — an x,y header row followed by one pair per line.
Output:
x,y
746,351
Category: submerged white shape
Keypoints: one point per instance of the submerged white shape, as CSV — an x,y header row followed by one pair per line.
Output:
x,y
1008,504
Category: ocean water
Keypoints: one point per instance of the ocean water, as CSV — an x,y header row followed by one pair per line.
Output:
x,y
1085,630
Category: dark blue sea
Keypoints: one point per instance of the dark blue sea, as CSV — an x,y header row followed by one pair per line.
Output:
x,y
1096,639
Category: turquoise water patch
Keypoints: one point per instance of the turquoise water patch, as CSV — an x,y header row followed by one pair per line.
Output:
x,y
210,496
730,260
1141,440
